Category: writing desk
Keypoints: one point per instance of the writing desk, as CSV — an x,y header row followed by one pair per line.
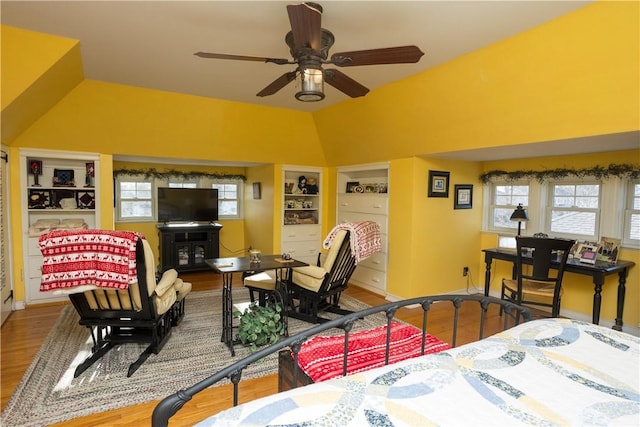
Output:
x,y
228,266
598,272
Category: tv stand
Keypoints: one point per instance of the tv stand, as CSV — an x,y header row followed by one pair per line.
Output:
x,y
185,246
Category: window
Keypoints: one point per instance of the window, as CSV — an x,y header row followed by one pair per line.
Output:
x,y
229,196
632,215
135,199
575,209
505,198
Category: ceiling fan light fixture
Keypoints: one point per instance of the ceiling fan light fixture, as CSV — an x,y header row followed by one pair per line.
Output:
x,y
312,85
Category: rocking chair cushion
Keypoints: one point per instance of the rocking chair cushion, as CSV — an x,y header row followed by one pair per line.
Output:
x,y
182,287
264,280
166,281
164,302
309,277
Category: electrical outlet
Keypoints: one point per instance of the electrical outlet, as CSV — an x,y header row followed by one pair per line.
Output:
x,y
465,271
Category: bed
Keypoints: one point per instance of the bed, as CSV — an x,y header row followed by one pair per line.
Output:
x,y
541,372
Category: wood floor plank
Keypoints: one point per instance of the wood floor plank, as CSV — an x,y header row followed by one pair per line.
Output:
x,y
25,330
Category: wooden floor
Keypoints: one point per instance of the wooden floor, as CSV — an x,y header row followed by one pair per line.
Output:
x,y
25,330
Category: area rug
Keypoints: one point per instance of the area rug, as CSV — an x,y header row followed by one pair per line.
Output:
x,y
48,393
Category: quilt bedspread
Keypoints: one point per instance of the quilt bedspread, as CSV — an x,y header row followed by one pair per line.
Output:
x,y
545,372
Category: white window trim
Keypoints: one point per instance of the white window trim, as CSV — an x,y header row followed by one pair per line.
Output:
x,y
549,208
489,206
627,209
208,183
135,178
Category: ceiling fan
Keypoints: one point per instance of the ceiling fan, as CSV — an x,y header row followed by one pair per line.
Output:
x,y
309,45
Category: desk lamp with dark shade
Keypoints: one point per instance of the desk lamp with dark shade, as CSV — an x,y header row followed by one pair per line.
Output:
x,y
520,215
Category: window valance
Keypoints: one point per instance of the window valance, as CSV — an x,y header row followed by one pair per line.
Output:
x,y
153,173
625,170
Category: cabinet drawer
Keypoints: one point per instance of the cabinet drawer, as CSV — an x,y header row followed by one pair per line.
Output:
x,y
377,261
370,278
293,233
34,296
375,204
32,246
35,266
359,216
297,250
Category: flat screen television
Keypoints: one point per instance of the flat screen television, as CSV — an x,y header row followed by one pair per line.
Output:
x,y
187,204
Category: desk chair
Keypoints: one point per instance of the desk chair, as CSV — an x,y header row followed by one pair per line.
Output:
x,y
538,285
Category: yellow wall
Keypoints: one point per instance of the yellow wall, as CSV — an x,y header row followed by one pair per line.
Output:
x,y
578,289
259,228
119,119
429,241
574,76
43,69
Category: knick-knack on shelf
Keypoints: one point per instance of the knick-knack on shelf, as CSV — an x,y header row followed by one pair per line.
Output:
x,y
89,179
35,167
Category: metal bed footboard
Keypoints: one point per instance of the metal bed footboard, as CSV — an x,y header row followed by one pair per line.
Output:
x,y
514,313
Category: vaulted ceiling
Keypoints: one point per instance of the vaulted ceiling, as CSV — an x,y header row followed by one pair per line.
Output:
x,y
151,44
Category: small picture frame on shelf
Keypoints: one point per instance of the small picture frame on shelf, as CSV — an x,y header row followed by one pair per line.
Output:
x,y
63,178
39,199
60,197
86,199
438,184
351,185
463,197
371,188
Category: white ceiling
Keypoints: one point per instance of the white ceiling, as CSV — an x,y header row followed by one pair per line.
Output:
x,y
150,44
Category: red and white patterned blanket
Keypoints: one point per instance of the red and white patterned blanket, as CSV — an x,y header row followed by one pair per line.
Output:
x,y
321,357
365,238
103,258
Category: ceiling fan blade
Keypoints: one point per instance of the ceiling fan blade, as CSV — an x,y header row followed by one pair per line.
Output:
x,y
344,83
278,84
305,25
389,55
279,61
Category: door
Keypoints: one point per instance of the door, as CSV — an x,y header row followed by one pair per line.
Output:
x,y
6,294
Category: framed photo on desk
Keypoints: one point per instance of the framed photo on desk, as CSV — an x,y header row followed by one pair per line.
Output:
x,y
587,252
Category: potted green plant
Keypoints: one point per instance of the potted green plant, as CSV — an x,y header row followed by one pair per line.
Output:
x,y
260,325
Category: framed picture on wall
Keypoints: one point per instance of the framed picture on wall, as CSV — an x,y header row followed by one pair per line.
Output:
x,y
438,184
463,196
257,193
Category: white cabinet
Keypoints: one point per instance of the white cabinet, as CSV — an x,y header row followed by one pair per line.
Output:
x,y
301,213
363,196
59,191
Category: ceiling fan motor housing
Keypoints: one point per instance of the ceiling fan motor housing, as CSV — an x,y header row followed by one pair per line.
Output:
x,y
327,40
